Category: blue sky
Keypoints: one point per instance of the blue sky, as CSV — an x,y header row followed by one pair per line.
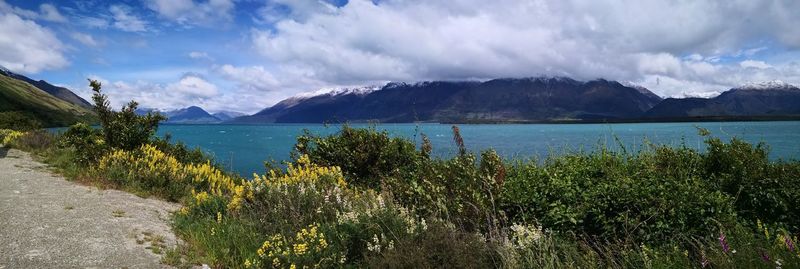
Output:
x,y
245,55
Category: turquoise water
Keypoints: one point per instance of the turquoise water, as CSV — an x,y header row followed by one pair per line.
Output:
x,y
244,148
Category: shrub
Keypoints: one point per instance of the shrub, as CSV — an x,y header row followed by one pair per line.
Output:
x,y
35,140
7,137
617,196
123,129
87,142
762,189
366,156
152,171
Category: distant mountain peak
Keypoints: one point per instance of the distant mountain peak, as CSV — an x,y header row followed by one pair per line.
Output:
x,y
340,91
767,85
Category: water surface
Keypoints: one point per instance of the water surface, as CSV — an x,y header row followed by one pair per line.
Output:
x,y
244,148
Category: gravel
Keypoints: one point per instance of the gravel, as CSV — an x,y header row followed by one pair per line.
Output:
x,y
48,222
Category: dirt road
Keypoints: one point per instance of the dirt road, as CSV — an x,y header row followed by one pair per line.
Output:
x,y
48,222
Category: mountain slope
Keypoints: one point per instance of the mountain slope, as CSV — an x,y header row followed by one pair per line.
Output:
x,y
529,99
227,115
19,98
190,115
773,98
59,92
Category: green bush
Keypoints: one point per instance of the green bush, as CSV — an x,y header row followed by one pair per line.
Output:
x,y
762,189
87,142
616,196
366,156
123,129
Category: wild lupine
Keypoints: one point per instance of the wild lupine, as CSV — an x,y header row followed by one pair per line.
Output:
x,y
723,242
789,244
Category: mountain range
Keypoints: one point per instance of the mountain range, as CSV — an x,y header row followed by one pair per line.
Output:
x,y
539,99
504,100
193,115
542,99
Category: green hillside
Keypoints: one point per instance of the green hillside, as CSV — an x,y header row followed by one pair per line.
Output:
x,y
22,103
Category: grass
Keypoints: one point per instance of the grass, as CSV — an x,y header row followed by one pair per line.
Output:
x,y
20,100
118,213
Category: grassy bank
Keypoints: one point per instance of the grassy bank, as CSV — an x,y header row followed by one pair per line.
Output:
x,y
360,198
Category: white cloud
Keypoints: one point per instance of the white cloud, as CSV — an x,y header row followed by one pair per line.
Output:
x,y
188,12
50,13
754,64
251,77
85,39
47,12
197,55
190,90
193,86
27,47
671,47
126,21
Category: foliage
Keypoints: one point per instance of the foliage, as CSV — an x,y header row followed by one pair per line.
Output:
x,y
616,196
152,171
762,189
7,137
87,142
123,129
360,198
18,120
366,156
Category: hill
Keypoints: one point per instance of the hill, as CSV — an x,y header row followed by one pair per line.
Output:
x,y
20,100
59,92
766,99
505,100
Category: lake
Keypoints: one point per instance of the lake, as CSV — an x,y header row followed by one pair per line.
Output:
x,y
244,148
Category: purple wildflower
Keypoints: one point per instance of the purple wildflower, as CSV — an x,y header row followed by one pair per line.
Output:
x,y
723,243
764,256
789,244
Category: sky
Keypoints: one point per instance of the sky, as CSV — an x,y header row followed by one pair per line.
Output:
x,y
246,55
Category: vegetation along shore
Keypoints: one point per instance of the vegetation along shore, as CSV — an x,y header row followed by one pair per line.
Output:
x,y
360,198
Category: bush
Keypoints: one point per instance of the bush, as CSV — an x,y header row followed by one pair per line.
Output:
x,y
123,129
763,190
35,140
87,142
366,156
151,171
616,196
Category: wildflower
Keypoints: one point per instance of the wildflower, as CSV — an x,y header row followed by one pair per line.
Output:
x,y
723,242
300,249
219,217
764,256
293,266
789,244
247,263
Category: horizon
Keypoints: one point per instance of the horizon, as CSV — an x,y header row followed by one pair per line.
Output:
x,y
246,55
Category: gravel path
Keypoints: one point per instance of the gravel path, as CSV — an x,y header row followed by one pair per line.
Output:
x,y
48,222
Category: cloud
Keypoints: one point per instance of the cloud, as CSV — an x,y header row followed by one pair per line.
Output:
x,y
85,39
193,86
190,90
50,13
687,45
188,12
27,47
250,77
126,21
197,55
47,12
754,64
